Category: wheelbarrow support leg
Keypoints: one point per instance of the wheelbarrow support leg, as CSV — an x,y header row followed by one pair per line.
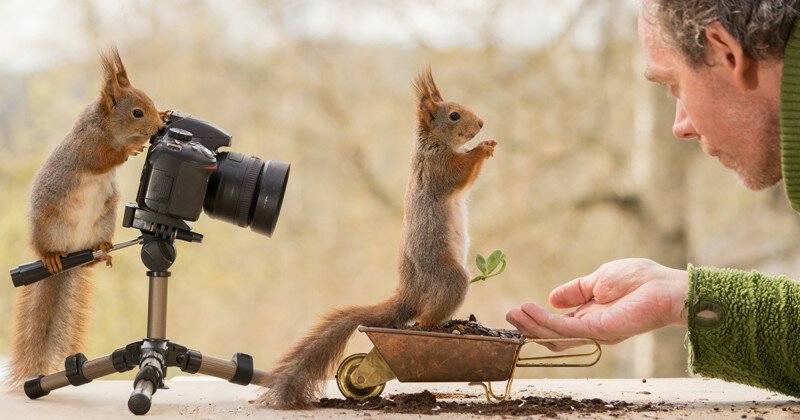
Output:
x,y
372,371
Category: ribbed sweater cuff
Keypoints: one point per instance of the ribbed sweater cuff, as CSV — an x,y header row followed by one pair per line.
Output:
x,y
754,337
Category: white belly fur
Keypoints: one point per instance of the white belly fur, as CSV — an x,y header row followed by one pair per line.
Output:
x,y
86,206
460,218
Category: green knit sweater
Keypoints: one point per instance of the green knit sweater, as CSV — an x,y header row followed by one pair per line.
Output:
x,y
744,326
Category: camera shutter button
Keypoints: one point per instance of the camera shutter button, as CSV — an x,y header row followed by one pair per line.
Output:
x,y
179,134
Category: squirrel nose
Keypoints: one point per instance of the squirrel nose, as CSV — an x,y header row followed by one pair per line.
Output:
x,y
480,123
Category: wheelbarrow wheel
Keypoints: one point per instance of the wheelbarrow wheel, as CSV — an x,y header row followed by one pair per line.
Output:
x,y
346,385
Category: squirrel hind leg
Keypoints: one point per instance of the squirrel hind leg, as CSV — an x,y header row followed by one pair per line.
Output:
x,y
430,319
438,311
438,306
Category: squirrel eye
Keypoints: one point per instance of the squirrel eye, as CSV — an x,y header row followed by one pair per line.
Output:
x,y
137,113
455,116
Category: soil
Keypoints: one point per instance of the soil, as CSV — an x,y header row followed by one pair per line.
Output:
x,y
466,327
427,403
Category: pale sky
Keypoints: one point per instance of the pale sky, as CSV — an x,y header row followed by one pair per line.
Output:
x,y
37,33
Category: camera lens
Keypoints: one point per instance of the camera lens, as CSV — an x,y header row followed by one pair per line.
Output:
x,y
246,191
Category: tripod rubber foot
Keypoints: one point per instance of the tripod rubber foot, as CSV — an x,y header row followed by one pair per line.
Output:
x,y
33,388
139,403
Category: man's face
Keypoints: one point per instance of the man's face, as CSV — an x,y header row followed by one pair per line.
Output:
x,y
740,127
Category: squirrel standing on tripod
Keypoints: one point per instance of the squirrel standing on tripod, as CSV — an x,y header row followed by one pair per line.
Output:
x,y
433,251
73,207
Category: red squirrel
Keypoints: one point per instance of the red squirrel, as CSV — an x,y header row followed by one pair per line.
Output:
x,y
433,250
73,204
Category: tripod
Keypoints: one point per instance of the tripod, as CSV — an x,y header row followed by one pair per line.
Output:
x,y
155,353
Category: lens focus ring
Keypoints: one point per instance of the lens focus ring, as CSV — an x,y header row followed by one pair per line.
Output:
x,y
249,182
232,186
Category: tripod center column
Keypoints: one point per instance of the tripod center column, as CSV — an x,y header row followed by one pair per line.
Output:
x,y
157,305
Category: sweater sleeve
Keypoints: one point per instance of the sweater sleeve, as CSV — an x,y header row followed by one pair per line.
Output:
x,y
744,327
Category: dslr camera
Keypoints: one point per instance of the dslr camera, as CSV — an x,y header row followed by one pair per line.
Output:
x,y
184,173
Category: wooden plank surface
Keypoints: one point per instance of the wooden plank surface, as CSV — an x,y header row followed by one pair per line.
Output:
x,y
202,398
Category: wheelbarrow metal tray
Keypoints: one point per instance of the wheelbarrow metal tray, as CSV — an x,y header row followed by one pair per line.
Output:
x,y
419,356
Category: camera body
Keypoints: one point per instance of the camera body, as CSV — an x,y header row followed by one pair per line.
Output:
x,y
175,175
184,173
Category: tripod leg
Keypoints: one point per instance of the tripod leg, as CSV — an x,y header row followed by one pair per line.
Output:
x,y
150,377
238,370
78,371
140,400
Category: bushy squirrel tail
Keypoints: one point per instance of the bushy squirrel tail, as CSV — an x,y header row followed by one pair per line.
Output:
x,y
50,323
301,372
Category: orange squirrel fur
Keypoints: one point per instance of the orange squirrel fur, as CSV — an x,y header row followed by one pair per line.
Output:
x,y
73,204
433,251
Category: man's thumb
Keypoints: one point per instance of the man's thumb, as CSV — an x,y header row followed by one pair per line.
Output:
x,y
574,293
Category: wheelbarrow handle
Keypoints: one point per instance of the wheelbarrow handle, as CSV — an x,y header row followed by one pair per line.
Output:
x,y
597,352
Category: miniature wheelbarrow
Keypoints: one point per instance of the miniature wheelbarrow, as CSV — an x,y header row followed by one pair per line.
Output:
x,y
418,356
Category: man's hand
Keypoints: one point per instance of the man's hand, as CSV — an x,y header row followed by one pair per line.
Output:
x,y
620,299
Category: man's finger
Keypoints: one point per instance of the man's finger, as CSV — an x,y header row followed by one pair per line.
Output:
x,y
574,293
562,325
528,326
532,329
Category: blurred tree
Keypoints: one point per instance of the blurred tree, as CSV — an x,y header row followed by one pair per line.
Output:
x,y
585,170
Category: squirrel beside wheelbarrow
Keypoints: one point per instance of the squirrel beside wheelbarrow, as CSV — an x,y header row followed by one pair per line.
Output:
x,y
433,250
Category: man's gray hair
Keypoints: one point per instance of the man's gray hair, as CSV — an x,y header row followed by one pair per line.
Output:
x,y
762,27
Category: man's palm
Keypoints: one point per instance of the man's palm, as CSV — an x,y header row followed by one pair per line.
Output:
x,y
621,299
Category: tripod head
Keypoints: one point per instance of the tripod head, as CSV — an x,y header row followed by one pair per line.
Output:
x,y
159,233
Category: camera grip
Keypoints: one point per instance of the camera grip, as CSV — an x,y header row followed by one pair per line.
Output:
x,y
32,272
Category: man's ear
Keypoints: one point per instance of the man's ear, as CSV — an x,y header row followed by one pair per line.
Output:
x,y
727,54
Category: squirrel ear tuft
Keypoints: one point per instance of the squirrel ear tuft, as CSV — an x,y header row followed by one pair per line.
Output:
x,y
111,89
428,96
434,91
425,87
122,74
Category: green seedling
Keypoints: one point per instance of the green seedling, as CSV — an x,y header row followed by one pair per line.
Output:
x,y
487,266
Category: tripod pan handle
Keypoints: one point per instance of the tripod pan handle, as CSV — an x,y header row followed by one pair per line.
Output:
x,y
32,272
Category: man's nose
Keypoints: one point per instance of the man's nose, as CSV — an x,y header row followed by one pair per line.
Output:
x,y
683,128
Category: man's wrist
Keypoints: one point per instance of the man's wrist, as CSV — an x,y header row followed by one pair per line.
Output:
x,y
680,291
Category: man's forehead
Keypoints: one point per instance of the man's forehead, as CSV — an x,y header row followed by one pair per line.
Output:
x,y
661,58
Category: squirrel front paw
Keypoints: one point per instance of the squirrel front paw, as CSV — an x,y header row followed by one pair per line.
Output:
x,y
52,261
134,149
486,148
105,247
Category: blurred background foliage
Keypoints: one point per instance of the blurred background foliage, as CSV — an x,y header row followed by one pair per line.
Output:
x,y
586,169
